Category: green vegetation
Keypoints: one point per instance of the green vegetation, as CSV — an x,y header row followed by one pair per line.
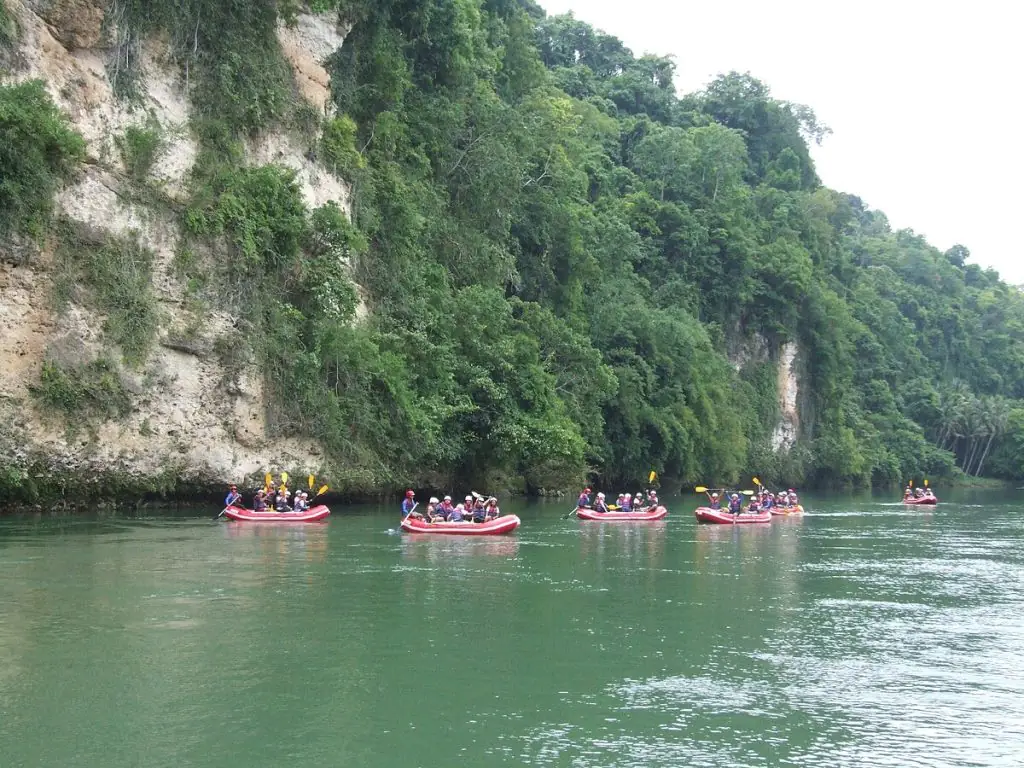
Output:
x,y
141,147
117,277
38,150
337,146
8,29
556,252
84,394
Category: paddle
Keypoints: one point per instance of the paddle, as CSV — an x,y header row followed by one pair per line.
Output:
x,y
311,482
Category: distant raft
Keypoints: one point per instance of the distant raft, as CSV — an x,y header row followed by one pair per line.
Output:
x,y
495,527
724,517
651,513
922,500
783,511
312,515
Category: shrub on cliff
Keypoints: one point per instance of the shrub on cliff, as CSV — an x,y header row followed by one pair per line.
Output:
x,y
38,150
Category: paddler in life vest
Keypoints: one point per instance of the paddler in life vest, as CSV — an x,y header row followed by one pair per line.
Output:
x,y
446,508
479,511
626,505
793,498
714,500
281,501
409,506
492,508
233,498
599,505
434,513
583,502
259,502
735,505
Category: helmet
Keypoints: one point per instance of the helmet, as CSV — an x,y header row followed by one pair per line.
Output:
x,y
447,498
433,500
714,495
627,496
600,495
586,490
791,491
469,498
409,494
735,495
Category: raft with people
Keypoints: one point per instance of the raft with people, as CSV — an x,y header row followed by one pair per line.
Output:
x,y
493,527
628,508
762,507
725,517
924,495
478,515
275,505
784,511
648,513
311,515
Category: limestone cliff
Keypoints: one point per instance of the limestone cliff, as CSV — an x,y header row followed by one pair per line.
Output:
x,y
188,423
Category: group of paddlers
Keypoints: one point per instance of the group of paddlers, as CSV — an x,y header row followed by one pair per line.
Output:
x,y
759,500
473,509
271,499
917,493
626,502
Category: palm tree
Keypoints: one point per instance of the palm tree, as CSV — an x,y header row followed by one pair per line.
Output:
x,y
998,412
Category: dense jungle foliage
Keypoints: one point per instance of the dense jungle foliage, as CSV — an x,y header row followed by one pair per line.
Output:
x,y
570,270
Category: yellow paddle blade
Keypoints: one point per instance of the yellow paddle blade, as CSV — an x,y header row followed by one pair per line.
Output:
x,y
747,493
284,478
700,489
652,477
268,480
323,490
756,481
613,506
311,482
925,483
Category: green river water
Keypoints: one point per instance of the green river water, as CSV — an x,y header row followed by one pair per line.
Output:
x,y
863,634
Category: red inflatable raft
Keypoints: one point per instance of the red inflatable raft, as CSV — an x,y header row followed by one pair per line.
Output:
x,y
922,500
655,513
495,527
723,517
781,511
312,515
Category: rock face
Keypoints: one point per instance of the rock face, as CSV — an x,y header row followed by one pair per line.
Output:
x,y
787,430
75,23
188,418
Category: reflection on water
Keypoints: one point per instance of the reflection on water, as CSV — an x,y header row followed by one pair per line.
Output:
x,y
435,549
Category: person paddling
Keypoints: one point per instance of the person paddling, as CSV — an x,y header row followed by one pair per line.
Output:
x,y
234,498
599,505
409,506
583,502
259,502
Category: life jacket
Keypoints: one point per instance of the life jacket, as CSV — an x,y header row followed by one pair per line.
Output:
x,y
735,506
600,506
583,500
259,505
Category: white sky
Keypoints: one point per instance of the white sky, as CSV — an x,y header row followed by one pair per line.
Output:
x,y
924,98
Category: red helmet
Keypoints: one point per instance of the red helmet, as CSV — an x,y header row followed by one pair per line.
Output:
x,y
409,494
586,490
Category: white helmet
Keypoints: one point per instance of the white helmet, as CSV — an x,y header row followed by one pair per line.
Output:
x,y
600,495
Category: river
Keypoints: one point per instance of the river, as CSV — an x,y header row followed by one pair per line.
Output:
x,y
863,634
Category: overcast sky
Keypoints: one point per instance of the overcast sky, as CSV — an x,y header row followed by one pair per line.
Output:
x,y
923,97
